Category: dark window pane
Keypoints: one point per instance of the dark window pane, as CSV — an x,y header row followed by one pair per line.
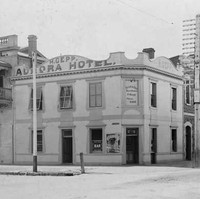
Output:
x,y
96,134
187,94
154,140
153,94
174,140
174,101
1,81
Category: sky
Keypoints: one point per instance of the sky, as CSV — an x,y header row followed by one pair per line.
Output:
x,y
95,28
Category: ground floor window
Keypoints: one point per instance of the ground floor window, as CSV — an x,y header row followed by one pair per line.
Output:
x,y
39,141
96,140
174,140
154,140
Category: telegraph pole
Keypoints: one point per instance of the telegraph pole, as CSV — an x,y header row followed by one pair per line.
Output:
x,y
34,61
196,158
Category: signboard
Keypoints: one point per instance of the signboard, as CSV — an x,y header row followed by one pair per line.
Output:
x,y
131,91
113,143
132,131
64,63
96,145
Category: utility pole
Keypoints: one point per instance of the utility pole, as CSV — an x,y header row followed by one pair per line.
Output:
x,y
34,61
196,158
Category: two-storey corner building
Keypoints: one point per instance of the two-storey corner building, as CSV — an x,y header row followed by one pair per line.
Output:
x,y
11,55
115,111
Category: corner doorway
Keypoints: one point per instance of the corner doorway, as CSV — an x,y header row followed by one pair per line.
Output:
x,y
132,145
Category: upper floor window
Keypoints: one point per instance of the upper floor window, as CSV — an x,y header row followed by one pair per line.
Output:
x,y
66,97
39,99
153,93
95,94
174,98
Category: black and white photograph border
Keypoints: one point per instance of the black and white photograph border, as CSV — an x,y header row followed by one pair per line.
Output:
x,y
99,99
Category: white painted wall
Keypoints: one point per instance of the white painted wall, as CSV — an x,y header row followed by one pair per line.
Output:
x,y
81,118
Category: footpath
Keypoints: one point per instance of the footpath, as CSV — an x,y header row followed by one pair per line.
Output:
x,y
41,170
67,170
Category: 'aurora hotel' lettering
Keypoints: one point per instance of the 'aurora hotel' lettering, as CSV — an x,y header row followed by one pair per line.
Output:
x,y
64,63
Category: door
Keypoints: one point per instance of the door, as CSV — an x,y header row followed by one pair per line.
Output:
x,y
188,143
153,145
132,146
67,146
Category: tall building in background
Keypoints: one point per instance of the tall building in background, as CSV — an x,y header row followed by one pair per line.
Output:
x,y
188,37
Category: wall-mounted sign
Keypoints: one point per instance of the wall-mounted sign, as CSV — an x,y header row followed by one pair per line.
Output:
x,y
131,91
113,143
96,145
64,63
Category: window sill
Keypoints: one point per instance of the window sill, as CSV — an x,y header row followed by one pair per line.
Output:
x,y
38,111
66,110
174,152
95,108
154,108
38,153
130,106
113,153
104,154
96,153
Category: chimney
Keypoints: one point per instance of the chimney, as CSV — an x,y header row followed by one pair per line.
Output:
x,y
150,51
32,44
